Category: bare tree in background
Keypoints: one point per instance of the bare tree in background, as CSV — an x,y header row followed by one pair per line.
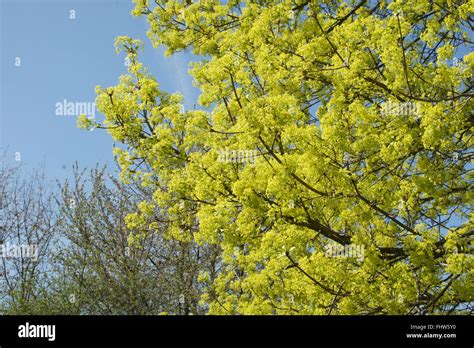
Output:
x,y
85,264
27,224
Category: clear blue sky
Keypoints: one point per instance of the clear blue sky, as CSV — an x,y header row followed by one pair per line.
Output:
x,y
63,58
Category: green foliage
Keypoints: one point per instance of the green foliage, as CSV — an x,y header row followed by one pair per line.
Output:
x,y
98,272
310,86
84,263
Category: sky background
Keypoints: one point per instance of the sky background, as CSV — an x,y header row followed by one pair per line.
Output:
x,y
63,58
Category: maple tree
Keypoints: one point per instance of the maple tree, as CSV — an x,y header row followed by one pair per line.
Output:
x,y
360,116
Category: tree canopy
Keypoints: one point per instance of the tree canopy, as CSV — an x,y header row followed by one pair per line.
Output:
x,y
343,123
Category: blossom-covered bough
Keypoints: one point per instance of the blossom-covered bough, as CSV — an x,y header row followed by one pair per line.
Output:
x,y
362,125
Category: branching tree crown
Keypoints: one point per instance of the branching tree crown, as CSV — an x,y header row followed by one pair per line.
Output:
x,y
359,119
